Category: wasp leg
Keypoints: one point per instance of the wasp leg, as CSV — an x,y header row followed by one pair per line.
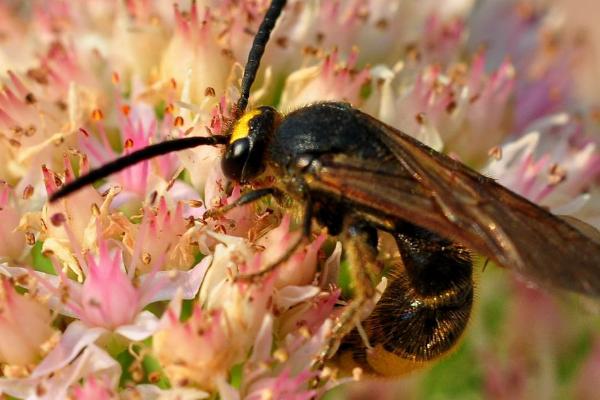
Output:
x,y
246,198
306,228
360,243
422,313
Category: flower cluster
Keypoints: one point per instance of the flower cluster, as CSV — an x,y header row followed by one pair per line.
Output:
x,y
128,289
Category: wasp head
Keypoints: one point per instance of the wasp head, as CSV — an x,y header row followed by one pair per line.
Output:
x,y
244,157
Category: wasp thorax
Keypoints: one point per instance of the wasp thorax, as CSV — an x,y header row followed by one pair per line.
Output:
x,y
244,157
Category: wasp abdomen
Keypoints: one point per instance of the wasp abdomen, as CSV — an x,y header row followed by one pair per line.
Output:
x,y
423,312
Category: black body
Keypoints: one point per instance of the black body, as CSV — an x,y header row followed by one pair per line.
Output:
x,y
312,134
327,128
428,302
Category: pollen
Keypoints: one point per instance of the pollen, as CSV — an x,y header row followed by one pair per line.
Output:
x,y
97,115
28,192
125,109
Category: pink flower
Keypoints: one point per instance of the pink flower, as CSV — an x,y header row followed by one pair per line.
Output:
x,y
111,297
238,221
163,235
285,385
199,350
141,32
42,109
193,57
139,127
63,369
285,373
26,329
108,297
12,245
85,215
94,389
460,110
330,80
579,29
553,164
300,269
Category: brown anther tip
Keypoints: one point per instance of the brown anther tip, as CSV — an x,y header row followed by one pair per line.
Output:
x,y
214,212
28,192
47,253
282,42
153,197
249,278
210,92
382,23
451,106
97,115
154,377
496,153
30,98
146,258
57,181
30,238
474,98
195,203
557,174
58,219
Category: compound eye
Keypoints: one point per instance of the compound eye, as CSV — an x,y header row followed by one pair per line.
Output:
x,y
235,159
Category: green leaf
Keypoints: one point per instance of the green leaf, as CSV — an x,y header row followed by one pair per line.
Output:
x,y
236,375
159,109
458,376
41,262
125,359
152,366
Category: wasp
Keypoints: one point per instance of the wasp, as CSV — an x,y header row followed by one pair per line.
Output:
x,y
358,177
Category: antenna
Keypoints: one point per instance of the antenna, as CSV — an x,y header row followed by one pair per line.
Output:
x,y
140,155
256,52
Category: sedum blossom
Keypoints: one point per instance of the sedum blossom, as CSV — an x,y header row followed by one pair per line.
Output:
x,y
82,213
13,245
205,352
336,80
26,330
555,171
130,289
94,388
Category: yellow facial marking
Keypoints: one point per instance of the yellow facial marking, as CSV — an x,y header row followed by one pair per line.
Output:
x,y
241,128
